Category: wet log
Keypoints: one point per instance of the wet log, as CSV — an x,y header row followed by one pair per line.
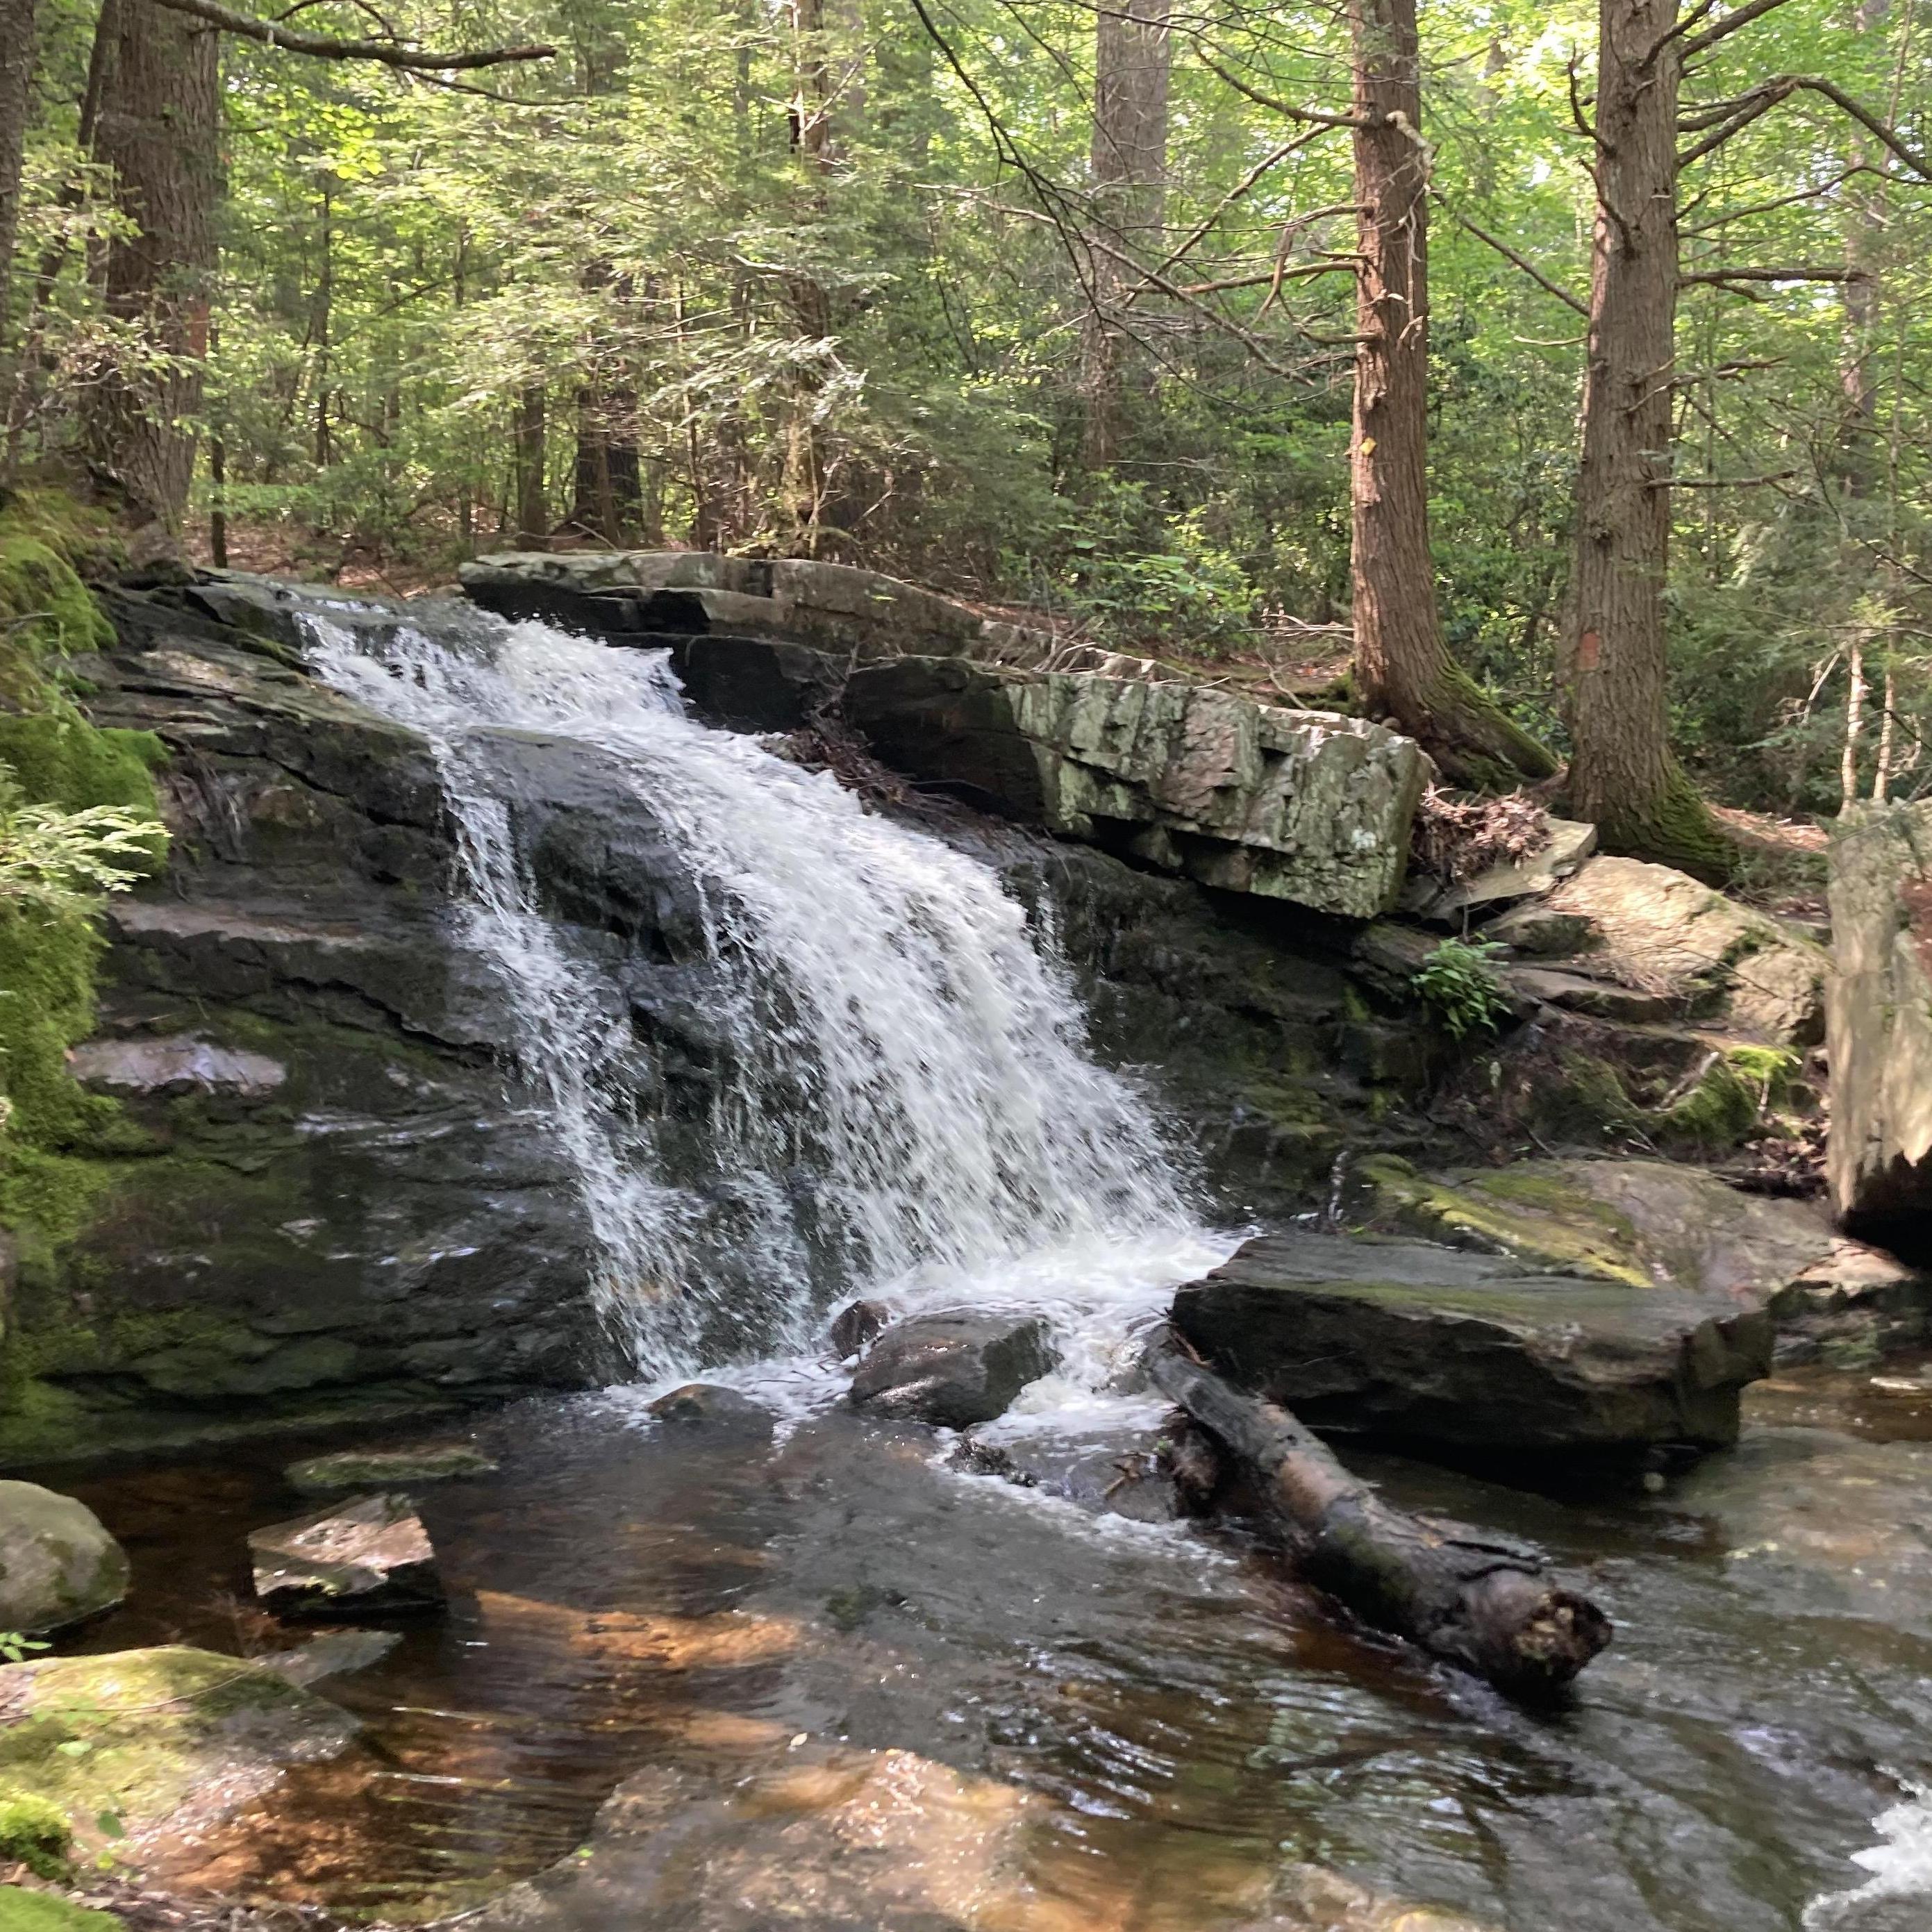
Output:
x,y
1483,1602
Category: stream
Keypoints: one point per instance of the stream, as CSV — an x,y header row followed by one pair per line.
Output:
x,y
903,1106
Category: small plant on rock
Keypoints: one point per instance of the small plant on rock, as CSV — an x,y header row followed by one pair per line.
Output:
x,y
1460,989
34,1832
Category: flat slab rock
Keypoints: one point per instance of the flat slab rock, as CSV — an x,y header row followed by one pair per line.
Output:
x,y
1410,1341
366,1558
952,1369
377,1468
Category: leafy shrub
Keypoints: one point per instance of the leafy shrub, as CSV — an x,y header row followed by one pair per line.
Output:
x,y
34,1832
1460,989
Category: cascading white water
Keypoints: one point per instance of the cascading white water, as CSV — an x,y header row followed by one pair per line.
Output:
x,y
907,1106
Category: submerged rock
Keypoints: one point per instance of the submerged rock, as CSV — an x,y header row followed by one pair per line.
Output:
x,y
374,1468
57,1565
366,1558
1438,1347
142,1743
1161,1475
952,1369
710,1405
1880,1025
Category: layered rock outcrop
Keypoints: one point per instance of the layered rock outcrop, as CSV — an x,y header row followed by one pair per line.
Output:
x,y
1306,806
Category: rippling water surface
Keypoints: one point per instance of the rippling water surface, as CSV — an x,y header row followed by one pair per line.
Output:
x,y
629,1595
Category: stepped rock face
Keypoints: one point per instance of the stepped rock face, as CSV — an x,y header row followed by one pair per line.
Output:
x,y
1306,806
325,1197
1879,1026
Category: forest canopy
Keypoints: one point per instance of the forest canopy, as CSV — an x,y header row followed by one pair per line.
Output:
x,y
1064,303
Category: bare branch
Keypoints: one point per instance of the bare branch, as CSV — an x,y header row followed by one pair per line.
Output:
x,y
1309,116
1817,194
1719,482
1729,24
1762,103
1769,93
1508,253
1794,274
323,47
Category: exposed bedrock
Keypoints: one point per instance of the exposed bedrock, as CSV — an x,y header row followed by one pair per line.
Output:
x,y
1309,807
325,1197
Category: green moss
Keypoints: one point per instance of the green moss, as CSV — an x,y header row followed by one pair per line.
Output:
x,y
1676,829
34,1832
120,1742
1476,739
1730,1101
58,758
23,1911
1536,1218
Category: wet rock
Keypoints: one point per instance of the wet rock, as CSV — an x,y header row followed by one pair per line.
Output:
x,y
1442,1349
142,1745
855,1326
180,1063
953,1370
708,1405
370,1558
1879,1159
334,1655
1163,1475
1325,1901
1662,1224
375,1468
57,1565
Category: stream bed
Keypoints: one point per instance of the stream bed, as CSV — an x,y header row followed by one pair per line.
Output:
x,y
1187,1724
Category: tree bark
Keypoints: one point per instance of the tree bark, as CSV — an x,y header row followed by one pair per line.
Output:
x,y
533,515
1402,662
17,78
1622,775
1487,1605
1133,63
157,133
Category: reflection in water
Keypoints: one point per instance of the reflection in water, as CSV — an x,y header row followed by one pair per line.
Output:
x,y
1187,1733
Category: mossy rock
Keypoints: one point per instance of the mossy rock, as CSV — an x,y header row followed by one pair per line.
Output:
x,y
24,1911
57,1563
127,1744
381,1468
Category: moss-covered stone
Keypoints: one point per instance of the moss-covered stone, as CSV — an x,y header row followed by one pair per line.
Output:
x,y
57,1565
125,1743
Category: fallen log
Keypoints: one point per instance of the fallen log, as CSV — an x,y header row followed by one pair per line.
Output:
x,y
1483,1602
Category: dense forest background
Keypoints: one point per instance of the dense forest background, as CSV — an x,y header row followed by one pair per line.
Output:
x,y
1044,301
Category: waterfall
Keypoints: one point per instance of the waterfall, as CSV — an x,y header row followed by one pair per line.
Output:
x,y
905,1106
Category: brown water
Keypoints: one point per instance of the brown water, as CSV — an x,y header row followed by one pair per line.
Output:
x,y
1188,1723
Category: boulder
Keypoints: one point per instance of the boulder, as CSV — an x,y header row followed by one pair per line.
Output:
x,y
377,1468
1303,805
855,1326
370,1557
57,1563
1663,1224
1660,932
710,1405
1879,1014
141,1743
1440,1348
952,1369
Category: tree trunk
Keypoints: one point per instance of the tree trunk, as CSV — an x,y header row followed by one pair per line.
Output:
x,y
1622,776
533,515
1486,1604
1132,62
1402,663
157,133
17,77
